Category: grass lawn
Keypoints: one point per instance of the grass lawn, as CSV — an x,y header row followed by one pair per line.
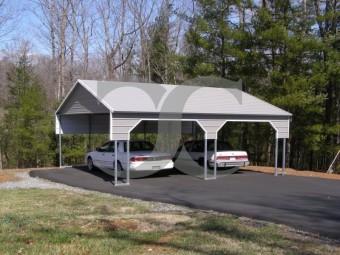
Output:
x,y
34,221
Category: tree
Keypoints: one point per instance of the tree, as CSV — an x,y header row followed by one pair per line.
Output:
x,y
213,39
27,124
116,34
164,45
7,19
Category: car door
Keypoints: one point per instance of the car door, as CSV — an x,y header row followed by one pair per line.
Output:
x,y
99,155
109,156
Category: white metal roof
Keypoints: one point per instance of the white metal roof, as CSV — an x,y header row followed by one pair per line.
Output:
x,y
162,98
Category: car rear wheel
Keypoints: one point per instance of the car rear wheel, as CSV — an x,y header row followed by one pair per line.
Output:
x,y
119,169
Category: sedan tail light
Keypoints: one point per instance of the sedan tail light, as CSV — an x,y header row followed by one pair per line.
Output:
x,y
245,157
223,158
138,159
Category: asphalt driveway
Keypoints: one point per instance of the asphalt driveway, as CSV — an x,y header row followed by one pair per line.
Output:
x,y
306,203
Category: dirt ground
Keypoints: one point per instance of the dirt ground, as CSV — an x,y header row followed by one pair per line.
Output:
x,y
10,174
290,171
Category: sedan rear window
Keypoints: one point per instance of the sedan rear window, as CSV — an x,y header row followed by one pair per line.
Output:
x,y
140,146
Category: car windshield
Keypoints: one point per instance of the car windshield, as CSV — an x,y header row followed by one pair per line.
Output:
x,y
140,146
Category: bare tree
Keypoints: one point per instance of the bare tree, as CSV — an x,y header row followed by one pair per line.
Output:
x,y
54,27
85,30
7,18
116,34
142,11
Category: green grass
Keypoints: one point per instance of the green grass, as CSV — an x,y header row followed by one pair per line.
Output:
x,y
63,222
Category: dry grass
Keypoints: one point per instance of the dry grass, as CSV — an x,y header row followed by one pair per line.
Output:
x,y
65,222
8,175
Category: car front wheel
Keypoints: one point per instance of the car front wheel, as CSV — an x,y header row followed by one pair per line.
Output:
x,y
90,165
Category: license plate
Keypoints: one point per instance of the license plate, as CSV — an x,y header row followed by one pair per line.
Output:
x,y
232,158
156,168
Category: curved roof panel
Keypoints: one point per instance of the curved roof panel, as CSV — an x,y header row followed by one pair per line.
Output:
x,y
161,98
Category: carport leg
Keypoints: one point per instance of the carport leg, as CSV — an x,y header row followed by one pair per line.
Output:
x,y
128,162
116,162
205,158
276,154
284,157
215,157
60,152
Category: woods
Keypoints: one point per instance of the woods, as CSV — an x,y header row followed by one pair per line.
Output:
x,y
285,52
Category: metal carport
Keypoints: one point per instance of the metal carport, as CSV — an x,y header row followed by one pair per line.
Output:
x,y
116,108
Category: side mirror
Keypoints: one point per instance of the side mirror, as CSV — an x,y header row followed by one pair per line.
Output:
x,y
98,149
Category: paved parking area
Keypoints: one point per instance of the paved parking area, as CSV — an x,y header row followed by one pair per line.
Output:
x,y
306,203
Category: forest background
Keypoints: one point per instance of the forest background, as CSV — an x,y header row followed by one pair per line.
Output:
x,y
285,52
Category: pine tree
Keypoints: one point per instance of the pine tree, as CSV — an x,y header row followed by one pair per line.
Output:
x,y
27,123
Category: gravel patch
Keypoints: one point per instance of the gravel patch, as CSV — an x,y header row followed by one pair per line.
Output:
x,y
27,182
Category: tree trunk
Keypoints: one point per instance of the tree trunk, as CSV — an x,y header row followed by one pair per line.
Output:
x,y
1,160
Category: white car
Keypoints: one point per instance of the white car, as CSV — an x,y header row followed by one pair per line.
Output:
x,y
226,156
142,157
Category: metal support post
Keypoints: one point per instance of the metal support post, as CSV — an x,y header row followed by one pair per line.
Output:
x,y
215,157
276,153
284,157
60,152
116,162
128,162
205,158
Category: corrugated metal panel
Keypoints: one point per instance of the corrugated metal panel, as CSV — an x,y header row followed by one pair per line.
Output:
x,y
143,97
159,101
80,101
121,128
151,126
211,127
100,123
83,124
58,129
282,128
74,124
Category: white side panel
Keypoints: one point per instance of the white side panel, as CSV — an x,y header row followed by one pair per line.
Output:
x,y
211,127
282,128
83,124
100,124
80,101
58,129
74,124
121,128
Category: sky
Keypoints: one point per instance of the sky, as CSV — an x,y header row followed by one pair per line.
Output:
x,y
25,24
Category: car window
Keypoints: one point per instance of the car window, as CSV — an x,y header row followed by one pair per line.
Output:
x,y
140,146
111,147
221,146
197,146
188,145
224,146
134,146
146,146
105,147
